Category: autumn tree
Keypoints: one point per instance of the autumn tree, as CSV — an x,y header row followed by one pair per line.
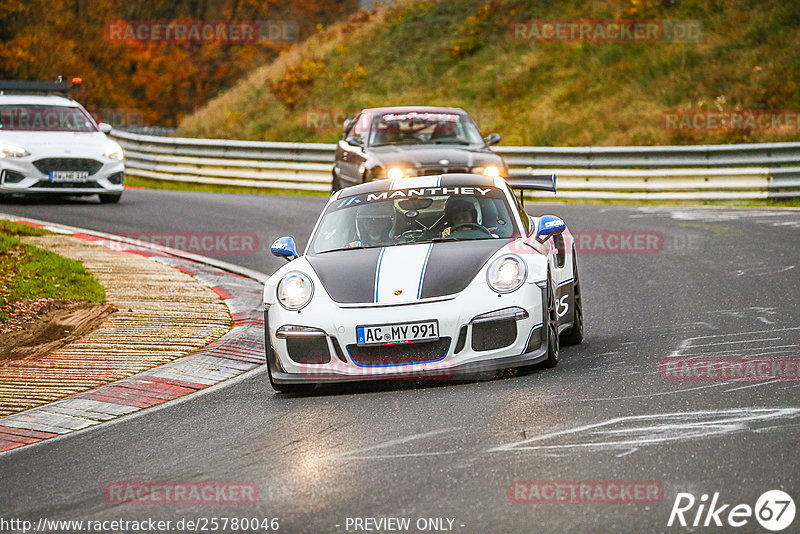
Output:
x,y
160,80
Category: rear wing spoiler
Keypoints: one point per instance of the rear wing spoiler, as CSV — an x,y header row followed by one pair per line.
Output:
x,y
533,182
59,86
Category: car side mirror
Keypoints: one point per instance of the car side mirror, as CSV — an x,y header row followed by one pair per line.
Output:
x,y
284,248
354,141
549,225
493,139
348,123
105,127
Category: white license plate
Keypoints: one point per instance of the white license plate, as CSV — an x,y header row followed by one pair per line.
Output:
x,y
69,176
398,333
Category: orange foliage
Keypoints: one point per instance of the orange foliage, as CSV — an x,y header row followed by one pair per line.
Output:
x,y
471,33
291,89
158,81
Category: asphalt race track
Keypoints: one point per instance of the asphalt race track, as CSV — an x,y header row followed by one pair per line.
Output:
x,y
721,282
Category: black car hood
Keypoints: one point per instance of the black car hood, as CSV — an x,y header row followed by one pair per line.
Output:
x,y
431,155
350,276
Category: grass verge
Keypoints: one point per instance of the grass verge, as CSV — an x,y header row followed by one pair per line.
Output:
x,y
30,272
149,183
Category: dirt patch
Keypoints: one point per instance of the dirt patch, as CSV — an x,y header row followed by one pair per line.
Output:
x,y
38,327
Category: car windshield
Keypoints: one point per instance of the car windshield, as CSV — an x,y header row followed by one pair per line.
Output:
x,y
45,119
423,128
404,216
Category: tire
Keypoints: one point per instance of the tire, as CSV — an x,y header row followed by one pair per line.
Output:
x,y
269,354
551,331
335,183
288,388
553,345
109,198
284,388
574,335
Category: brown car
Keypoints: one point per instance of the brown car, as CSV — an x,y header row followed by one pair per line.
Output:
x,y
398,142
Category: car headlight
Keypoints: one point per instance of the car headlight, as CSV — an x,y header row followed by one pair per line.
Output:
x,y
506,274
7,150
493,171
395,173
113,151
295,290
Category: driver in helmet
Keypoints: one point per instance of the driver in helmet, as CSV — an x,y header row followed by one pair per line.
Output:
x,y
374,224
458,212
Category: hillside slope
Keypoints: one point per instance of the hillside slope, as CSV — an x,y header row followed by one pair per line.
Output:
x,y
464,53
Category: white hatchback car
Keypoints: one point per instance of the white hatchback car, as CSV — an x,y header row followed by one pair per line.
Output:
x,y
49,144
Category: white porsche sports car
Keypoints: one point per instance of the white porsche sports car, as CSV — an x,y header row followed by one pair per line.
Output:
x,y
49,144
424,277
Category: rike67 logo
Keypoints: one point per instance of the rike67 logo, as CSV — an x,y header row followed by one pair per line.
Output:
x,y
774,510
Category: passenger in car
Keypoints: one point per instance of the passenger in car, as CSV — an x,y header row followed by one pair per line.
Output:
x,y
374,225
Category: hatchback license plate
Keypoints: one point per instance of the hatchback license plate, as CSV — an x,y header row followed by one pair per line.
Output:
x,y
69,176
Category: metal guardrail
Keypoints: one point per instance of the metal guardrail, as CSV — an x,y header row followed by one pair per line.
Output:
x,y
663,172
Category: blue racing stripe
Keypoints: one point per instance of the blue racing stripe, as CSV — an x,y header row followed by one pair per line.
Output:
x,y
378,273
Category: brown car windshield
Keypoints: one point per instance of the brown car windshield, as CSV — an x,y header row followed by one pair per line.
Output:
x,y
413,127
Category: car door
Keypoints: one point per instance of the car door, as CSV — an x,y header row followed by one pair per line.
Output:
x,y
560,260
349,158
341,164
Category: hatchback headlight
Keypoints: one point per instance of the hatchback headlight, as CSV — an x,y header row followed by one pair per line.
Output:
x,y
7,150
113,151
506,274
295,290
